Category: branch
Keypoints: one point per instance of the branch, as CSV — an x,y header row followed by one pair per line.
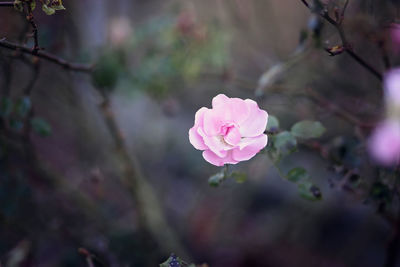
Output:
x,y
348,49
29,17
6,4
338,110
47,56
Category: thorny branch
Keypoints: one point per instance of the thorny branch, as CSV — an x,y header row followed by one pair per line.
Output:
x,y
47,56
347,46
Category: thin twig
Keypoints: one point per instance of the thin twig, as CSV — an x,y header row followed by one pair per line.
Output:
x,y
338,110
348,48
47,56
30,18
6,4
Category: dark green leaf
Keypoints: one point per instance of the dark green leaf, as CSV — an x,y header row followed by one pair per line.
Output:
x,y
297,174
285,142
23,106
273,124
216,179
308,129
41,126
16,124
5,107
309,191
106,72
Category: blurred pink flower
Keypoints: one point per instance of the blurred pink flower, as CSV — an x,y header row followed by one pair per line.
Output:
x,y
384,143
395,34
230,132
392,86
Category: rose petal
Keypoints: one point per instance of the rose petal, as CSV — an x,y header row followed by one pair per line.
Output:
x,y
212,158
215,143
213,121
233,137
199,116
196,140
256,123
253,146
220,99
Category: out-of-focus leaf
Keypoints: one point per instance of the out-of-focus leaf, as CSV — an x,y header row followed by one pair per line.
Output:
x,y
18,5
6,106
18,254
381,192
16,124
273,124
285,142
308,129
173,261
33,5
309,191
105,73
297,174
239,177
48,10
23,106
41,126
216,179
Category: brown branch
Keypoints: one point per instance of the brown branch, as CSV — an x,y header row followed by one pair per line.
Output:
x,y
339,111
348,48
8,4
151,218
30,18
47,56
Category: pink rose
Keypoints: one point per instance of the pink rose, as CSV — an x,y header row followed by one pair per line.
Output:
x,y
384,143
232,131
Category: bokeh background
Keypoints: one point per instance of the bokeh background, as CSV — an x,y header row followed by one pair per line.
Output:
x,y
165,60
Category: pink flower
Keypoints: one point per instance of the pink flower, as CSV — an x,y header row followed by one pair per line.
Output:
x,y
395,34
384,143
392,86
232,131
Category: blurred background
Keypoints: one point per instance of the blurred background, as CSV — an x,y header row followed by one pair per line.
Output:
x,y
62,185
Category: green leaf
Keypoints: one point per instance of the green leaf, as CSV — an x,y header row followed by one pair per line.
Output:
x,y
5,107
106,72
309,191
41,126
308,129
297,174
18,5
239,177
216,179
273,124
285,142
48,10
57,5
23,106
17,125
33,5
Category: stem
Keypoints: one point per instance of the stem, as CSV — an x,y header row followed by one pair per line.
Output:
x,y
30,18
6,4
345,43
47,56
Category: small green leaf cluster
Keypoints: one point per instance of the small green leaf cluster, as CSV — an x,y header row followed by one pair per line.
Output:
x,y
174,261
48,6
17,113
283,143
216,179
